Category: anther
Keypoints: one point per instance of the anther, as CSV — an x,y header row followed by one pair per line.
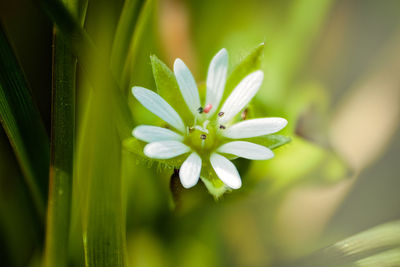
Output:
x,y
191,129
203,137
222,127
207,108
200,110
244,114
221,114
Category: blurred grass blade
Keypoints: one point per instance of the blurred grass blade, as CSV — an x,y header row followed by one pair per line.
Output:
x,y
379,243
386,258
23,125
99,159
143,22
62,147
123,36
88,56
16,209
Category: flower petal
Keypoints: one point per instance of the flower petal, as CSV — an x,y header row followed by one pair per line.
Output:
x,y
241,95
165,149
157,105
254,127
216,79
150,134
187,85
226,171
189,172
246,150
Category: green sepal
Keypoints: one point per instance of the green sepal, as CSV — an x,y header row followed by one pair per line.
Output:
x,y
215,187
271,141
210,179
167,88
136,147
249,64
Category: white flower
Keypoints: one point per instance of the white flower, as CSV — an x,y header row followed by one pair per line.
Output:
x,y
210,135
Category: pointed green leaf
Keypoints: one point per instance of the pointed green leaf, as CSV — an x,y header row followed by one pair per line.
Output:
x,y
271,141
167,88
123,35
136,147
249,64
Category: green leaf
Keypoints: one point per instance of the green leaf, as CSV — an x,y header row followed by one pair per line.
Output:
x,y
142,30
249,64
123,35
136,147
378,246
90,58
16,209
271,141
62,147
21,121
168,88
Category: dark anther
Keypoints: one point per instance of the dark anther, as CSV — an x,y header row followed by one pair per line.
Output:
x,y
221,114
203,137
191,129
222,127
200,110
244,114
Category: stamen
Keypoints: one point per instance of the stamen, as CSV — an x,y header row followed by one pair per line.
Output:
x,y
191,129
203,137
244,114
221,114
222,127
200,110
207,108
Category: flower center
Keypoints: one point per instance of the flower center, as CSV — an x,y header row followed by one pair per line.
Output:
x,y
204,138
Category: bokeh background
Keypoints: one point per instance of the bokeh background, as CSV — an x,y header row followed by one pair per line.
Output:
x,y
332,68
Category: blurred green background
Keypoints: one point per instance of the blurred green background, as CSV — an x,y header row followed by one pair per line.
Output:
x,y
331,68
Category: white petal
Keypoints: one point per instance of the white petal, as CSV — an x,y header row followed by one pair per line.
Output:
x,y
241,95
216,79
189,172
246,150
165,149
157,105
226,171
254,127
150,134
187,85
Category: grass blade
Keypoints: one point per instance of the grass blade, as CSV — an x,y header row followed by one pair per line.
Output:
x,y
23,125
378,244
123,35
62,148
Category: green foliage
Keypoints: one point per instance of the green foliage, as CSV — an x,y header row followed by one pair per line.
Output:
x,y
21,121
62,146
378,246
249,64
271,141
167,88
